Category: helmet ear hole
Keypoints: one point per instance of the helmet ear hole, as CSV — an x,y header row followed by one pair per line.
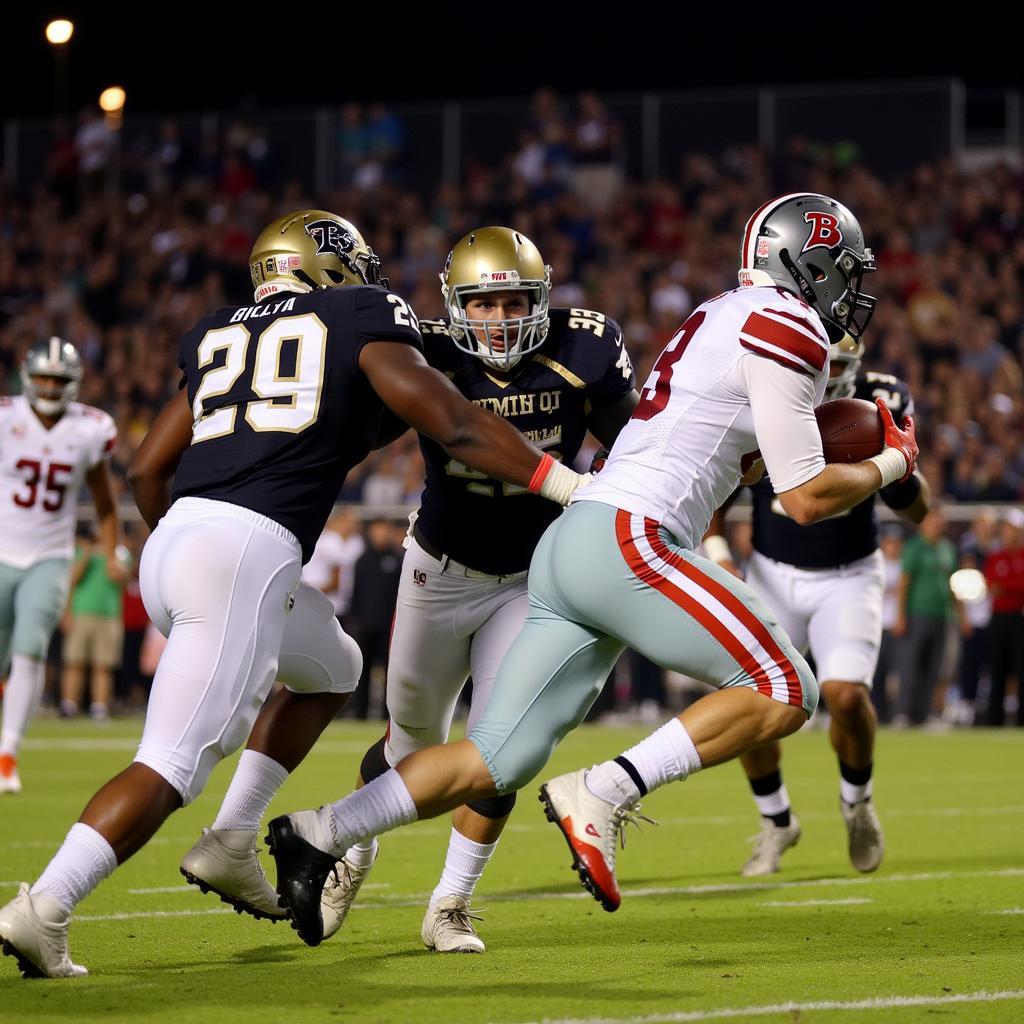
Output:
x,y
817,273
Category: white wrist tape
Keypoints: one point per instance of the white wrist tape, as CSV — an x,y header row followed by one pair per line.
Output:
x,y
561,482
717,549
891,463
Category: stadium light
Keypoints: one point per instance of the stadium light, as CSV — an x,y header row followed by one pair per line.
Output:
x,y
112,100
58,32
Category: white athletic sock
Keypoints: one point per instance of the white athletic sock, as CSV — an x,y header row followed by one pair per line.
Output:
x,y
21,698
381,805
463,866
362,855
666,755
854,794
773,803
84,860
254,784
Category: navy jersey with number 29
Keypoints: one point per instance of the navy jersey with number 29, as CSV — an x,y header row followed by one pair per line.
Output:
x,y
282,410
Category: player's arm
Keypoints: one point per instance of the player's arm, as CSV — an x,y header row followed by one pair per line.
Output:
x,y
782,401
910,500
432,405
606,423
100,482
153,465
391,429
716,547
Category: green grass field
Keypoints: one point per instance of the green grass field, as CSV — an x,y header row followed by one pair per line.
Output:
x,y
940,925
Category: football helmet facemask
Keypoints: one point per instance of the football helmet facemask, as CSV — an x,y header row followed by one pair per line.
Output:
x,y
813,246
54,358
311,249
496,259
847,353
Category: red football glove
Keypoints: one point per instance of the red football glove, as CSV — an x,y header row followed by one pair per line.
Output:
x,y
903,439
599,459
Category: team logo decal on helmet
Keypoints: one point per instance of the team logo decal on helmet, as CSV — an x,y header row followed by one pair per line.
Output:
x,y
825,230
330,237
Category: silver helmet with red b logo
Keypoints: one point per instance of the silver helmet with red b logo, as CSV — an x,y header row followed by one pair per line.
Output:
x,y
813,246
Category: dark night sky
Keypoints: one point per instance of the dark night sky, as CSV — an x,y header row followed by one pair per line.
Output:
x,y
306,56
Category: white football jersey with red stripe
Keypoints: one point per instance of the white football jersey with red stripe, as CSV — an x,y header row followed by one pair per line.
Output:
x,y
41,474
693,433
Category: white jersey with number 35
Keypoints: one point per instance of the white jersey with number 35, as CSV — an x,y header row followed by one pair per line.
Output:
x,y
41,473
743,373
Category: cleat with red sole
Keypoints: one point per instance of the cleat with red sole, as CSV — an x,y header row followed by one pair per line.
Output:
x,y
593,828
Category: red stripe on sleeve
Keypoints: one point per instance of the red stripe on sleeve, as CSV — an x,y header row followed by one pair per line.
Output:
x,y
789,339
775,357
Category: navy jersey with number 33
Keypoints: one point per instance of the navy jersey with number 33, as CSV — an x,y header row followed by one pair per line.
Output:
x,y
282,409
582,366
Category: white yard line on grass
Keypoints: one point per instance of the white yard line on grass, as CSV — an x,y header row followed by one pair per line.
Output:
x,y
421,830
1009,910
146,914
414,899
814,903
878,1003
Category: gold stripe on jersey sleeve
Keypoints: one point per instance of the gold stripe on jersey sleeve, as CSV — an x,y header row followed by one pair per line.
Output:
x,y
561,371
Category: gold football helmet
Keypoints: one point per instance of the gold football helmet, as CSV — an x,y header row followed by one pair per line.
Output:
x,y
496,260
847,352
310,249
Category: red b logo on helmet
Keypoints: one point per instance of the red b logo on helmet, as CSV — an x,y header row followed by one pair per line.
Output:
x,y
824,230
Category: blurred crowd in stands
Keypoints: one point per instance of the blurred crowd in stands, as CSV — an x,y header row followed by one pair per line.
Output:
x,y
121,248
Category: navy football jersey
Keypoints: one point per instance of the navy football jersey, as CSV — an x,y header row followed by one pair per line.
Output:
x,y
489,525
844,538
282,409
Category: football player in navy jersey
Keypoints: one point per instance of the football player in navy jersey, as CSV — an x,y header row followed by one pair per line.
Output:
x,y
825,583
555,374
279,401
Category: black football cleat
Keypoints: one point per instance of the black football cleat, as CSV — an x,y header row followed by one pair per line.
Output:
x,y
302,870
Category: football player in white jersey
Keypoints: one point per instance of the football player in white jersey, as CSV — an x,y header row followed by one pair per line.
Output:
x,y
739,379
49,446
826,584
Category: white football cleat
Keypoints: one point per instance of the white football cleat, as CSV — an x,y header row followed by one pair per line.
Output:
x,y
34,930
769,846
225,862
10,782
340,892
864,830
592,827
448,927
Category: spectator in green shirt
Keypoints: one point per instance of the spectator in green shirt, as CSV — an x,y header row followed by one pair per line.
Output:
x,y
94,630
926,609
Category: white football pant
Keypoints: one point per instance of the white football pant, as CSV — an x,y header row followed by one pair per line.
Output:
x,y
448,626
836,613
222,584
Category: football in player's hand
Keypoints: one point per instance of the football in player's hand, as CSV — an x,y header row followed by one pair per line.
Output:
x,y
851,430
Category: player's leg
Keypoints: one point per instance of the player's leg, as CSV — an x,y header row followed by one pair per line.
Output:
x,y
108,642
687,614
547,683
38,599
427,668
219,583
845,634
10,782
788,592
477,826
319,665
